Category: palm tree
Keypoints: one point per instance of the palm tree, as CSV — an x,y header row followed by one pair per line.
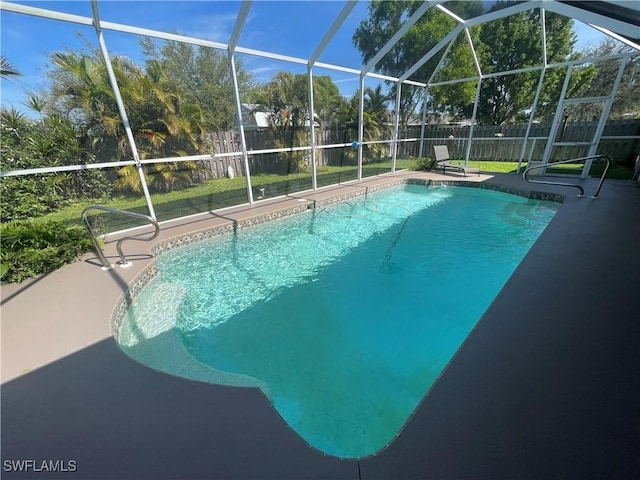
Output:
x,y
374,119
164,122
6,69
36,103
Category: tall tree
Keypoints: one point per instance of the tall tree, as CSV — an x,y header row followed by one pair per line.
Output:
x,y
327,99
286,98
163,121
385,19
515,42
505,44
508,44
205,75
627,102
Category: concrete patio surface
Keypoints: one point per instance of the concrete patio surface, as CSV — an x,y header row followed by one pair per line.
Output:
x,y
545,386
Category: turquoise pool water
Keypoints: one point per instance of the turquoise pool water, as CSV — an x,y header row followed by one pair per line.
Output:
x,y
345,315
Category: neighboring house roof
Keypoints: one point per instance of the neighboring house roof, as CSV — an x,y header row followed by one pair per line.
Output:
x,y
438,119
253,118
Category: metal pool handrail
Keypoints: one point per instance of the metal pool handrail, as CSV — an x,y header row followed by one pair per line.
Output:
x,y
123,263
579,187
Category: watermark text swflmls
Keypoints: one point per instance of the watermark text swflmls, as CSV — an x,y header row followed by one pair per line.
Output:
x,y
31,465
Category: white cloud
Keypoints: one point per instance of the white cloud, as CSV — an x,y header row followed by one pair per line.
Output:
x,y
352,79
216,28
259,70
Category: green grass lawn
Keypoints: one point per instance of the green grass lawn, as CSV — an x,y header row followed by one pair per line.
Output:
x,y
226,192
211,195
616,171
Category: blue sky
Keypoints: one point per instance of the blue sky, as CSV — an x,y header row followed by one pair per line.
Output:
x,y
288,28
293,28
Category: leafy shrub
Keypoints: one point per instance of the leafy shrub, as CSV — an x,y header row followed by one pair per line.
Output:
x,y
28,249
50,142
423,163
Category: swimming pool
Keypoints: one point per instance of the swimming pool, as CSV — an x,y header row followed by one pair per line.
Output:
x,y
345,315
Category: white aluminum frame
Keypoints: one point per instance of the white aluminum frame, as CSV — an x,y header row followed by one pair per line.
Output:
x,y
614,28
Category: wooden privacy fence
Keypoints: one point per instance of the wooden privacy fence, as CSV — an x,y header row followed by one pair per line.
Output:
x,y
228,143
510,149
490,142
225,142
504,143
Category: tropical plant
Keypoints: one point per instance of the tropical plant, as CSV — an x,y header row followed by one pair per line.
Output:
x,y
36,103
6,69
286,100
164,120
161,177
375,123
285,97
50,142
204,74
30,249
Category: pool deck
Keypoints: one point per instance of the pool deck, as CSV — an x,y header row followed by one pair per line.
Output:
x,y
547,385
